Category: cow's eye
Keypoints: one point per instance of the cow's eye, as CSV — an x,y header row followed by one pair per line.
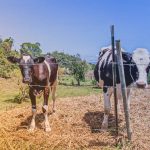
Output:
x,y
141,59
137,74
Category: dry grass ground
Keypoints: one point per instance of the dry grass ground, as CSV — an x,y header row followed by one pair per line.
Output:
x,y
75,126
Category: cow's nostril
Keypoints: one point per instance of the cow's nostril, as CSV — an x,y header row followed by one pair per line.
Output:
x,y
26,80
141,84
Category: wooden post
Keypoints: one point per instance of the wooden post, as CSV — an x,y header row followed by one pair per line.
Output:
x,y
114,77
123,88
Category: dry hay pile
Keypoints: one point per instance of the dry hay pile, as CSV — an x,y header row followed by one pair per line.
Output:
x,y
75,125
140,117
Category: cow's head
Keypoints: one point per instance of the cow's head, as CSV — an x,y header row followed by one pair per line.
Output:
x,y
26,63
142,60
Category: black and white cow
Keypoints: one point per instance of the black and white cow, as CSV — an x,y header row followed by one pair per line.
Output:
x,y
136,67
41,75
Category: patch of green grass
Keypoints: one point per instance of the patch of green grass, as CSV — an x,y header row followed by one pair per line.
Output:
x,y
70,80
10,90
67,80
72,91
7,100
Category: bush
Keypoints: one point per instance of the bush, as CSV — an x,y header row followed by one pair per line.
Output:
x,y
6,68
23,93
94,82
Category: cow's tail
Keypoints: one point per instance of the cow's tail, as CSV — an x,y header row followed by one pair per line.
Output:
x,y
97,75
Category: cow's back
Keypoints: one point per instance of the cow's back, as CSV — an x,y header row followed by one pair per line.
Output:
x,y
103,69
54,69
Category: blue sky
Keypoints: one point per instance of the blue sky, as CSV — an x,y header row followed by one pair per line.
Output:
x,y
76,26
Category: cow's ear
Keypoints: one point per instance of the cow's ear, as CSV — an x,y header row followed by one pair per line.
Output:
x,y
39,59
13,59
127,56
148,69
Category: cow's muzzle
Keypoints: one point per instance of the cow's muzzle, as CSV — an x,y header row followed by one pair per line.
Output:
x,y
27,80
141,85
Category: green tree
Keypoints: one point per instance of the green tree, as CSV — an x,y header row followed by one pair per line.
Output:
x,y
65,60
62,58
79,69
74,63
7,44
31,48
5,50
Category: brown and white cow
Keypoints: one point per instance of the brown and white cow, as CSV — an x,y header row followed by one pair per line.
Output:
x,y
41,75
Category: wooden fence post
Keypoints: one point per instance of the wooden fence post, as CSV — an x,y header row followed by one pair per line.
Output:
x,y
123,88
114,77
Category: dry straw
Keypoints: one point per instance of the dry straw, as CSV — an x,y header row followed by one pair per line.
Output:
x,y
76,125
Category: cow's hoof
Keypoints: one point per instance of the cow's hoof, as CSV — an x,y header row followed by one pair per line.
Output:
x,y
120,114
104,127
31,129
32,126
53,110
47,129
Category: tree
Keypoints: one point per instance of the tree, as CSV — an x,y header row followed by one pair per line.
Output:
x,y
6,50
7,44
73,63
79,69
31,48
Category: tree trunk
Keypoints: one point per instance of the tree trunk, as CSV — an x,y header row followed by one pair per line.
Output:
x,y
78,82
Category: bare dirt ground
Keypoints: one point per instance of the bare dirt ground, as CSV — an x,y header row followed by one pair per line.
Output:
x,y
76,125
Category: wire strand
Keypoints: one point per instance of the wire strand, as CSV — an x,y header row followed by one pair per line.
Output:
x,y
115,63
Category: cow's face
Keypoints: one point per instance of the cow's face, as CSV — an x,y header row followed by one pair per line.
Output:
x,y
142,60
26,63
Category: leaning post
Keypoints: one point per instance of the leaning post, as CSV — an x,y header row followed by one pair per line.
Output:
x,y
114,77
123,88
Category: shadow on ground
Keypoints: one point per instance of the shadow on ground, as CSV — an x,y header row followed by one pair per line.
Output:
x,y
39,119
95,119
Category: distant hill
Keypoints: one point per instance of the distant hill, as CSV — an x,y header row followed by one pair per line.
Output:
x,y
92,62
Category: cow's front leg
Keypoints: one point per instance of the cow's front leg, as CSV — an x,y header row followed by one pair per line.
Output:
x,y
33,102
45,109
107,108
